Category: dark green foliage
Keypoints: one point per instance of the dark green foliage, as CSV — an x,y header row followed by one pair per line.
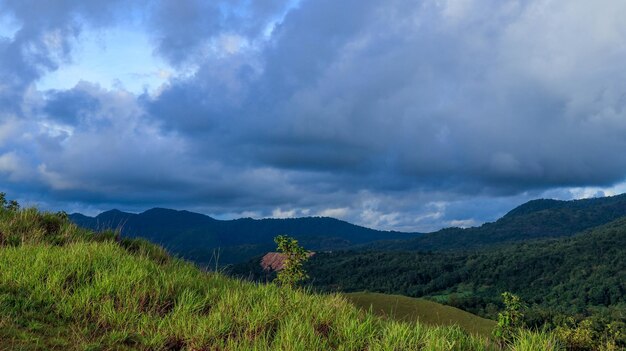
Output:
x,y
567,275
5,204
105,236
251,270
295,256
13,206
63,215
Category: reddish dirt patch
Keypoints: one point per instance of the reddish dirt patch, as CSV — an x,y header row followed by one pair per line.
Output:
x,y
275,261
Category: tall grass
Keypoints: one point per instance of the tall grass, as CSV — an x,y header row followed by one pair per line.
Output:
x,y
533,341
81,292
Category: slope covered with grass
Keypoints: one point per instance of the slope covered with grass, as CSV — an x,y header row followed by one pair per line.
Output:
x,y
62,288
411,309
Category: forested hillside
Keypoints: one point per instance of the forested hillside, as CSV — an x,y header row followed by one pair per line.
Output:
x,y
533,220
569,274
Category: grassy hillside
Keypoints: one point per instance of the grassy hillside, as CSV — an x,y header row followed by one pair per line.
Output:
x,y
410,309
196,236
62,288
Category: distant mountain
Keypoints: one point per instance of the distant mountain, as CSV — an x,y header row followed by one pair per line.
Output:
x,y
196,236
535,219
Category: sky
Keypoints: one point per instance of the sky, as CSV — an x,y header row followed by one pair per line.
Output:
x,y
392,114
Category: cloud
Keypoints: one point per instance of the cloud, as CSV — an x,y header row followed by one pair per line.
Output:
x,y
10,165
43,41
334,212
71,105
397,114
189,30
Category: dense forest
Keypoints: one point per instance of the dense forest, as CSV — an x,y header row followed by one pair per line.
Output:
x,y
572,273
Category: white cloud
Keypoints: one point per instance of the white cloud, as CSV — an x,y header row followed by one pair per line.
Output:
x,y
10,164
279,213
8,130
340,212
56,180
463,223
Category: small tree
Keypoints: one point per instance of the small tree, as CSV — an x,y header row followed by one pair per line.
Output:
x,y
295,256
3,200
63,216
511,319
13,206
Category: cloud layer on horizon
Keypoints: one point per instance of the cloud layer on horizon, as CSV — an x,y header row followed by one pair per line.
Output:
x,y
396,114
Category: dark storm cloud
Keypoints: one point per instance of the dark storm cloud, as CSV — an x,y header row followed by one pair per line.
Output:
x,y
396,114
184,29
71,105
437,102
411,87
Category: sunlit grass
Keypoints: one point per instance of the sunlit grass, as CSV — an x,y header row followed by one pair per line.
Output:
x,y
408,309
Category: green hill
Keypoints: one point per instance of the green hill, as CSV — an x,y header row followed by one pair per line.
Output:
x,y
410,309
537,219
63,288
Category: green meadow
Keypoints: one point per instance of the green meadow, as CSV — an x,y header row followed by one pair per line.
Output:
x,y
409,309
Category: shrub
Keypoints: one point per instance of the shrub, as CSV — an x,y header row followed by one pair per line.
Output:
x,y
295,256
510,321
589,334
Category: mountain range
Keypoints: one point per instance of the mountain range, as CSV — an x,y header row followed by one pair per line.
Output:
x,y
204,239
201,238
